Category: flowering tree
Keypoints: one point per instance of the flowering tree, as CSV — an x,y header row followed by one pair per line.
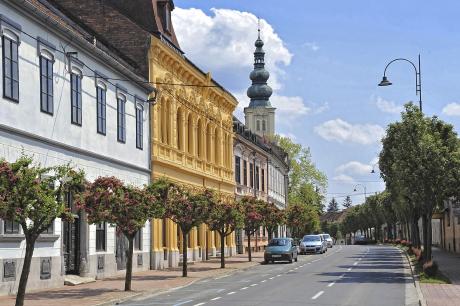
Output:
x,y
224,217
188,209
107,199
252,217
33,196
273,217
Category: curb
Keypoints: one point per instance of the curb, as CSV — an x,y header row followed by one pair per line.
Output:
x,y
421,298
161,291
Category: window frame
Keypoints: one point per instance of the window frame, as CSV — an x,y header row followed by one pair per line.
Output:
x,y
12,43
137,241
121,118
46,68
13,230
139,108
101,110
251,175
101,227
77,105
238,169
245,172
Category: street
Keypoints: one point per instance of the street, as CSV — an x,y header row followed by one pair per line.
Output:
x,y
345,275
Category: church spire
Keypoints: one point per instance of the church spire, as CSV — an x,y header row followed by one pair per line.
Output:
x,y
259,92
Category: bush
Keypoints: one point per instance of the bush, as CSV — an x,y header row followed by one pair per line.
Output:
x,y
430,268
418,254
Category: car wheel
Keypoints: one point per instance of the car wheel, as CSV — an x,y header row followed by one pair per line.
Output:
x,y
290,258
296,258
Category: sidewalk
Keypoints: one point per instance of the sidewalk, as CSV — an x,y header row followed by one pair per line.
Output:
x,y
143,283
444,294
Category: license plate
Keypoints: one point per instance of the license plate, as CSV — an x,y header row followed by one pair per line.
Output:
x,y
276,256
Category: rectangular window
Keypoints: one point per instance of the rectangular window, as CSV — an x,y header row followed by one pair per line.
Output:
x,y
50,229
257,178
100,236
75,98
10,227
10,69
264,128
121,120
238,169
101,111
139,127
245,173
263,179
138,240
251,175
46,85
258,125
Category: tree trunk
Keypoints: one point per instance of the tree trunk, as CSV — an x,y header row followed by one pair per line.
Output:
x,y
184,253
249,246
270,233
129,262
222,250
30,244
428,238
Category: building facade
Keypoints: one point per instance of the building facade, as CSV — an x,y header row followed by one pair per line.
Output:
x,y
61,104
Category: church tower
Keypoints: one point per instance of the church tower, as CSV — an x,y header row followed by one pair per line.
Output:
x,y
260,115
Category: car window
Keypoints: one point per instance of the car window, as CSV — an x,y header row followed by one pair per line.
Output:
x,y
327,236
279,242
311,238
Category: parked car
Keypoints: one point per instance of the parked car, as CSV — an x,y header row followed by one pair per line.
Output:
x,y
329,241
360,239
281,249
313,244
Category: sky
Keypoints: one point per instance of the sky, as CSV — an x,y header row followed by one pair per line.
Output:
x,y
326,59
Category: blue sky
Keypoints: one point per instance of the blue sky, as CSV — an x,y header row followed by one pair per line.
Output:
x,y
326,59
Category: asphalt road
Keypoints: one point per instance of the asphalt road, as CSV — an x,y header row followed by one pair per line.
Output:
x,y
345,275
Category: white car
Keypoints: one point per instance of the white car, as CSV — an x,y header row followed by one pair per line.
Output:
x,y
328,239
313,244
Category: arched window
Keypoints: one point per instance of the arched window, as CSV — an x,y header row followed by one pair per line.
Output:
x,y
199,139
179,127
209,143
190,134
163,121
216,147
168,122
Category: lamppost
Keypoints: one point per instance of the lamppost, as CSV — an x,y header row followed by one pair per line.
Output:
x,y
373,167
418,78
365,190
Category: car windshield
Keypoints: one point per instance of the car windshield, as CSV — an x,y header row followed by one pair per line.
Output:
x,y
279,242
327,236
311,238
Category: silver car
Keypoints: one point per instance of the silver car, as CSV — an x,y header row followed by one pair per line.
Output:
x,y
329,240
313,244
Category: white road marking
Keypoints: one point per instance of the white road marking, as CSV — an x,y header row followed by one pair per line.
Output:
x,y
263,281
278,275
317,295
223,276
342,275
349,269
271,278
296,268
315,260
216,298
230,293
184,302
291,270
244,288
360,259
355,263
252,285
199,304
331,284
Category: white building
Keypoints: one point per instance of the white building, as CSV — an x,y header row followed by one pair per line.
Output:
x,y
87,108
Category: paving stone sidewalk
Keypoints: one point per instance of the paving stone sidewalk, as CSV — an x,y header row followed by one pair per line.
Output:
x,y
144,283
446,294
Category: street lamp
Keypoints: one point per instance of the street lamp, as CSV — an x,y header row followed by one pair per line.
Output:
x,y
373,168
418,78
365,190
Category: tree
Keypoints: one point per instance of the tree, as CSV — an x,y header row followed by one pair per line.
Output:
x,y
252,217
33,196
273,217
225,216
306,183
188,209
301,219
128,208
333,206
420,162
347,203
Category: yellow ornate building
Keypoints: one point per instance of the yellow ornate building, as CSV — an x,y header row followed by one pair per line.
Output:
x,y
192,139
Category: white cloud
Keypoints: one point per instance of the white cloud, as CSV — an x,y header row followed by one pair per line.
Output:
x,y
342,131
451,109
225,40
343,178
322,108
354,168
313,46
388,106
